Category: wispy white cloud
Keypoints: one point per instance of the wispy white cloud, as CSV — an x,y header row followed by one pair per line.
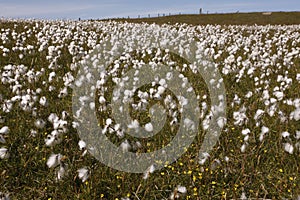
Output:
x,y
154,11
191,8
63,9
123,8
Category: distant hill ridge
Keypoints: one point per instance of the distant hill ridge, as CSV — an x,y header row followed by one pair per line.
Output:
x,y
259,18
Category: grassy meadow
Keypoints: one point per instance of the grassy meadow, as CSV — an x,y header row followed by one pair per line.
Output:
x,y
258,152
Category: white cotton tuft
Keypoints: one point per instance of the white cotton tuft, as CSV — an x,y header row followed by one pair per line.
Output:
x,y
226,159
240,116
189,124
54,160
285,134
203,157
4,130
81,144
246,131
182,100
108,121
102,100
160,90
173,196
83,174
264,130
149,127
258,114
297,135
2,139
243,148
50,140
53,138
61,172
221,121
298,79
243,196
246,138
4,153
249,94
4,196
39,123
289,148
125,146
181,189
134,124
279,95
149,171
43,101
177,191
295,114
53,117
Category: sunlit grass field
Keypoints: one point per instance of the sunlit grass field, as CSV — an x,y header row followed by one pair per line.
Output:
x,y
258,152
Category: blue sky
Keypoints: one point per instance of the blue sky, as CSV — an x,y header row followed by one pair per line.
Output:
x,y
87,9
